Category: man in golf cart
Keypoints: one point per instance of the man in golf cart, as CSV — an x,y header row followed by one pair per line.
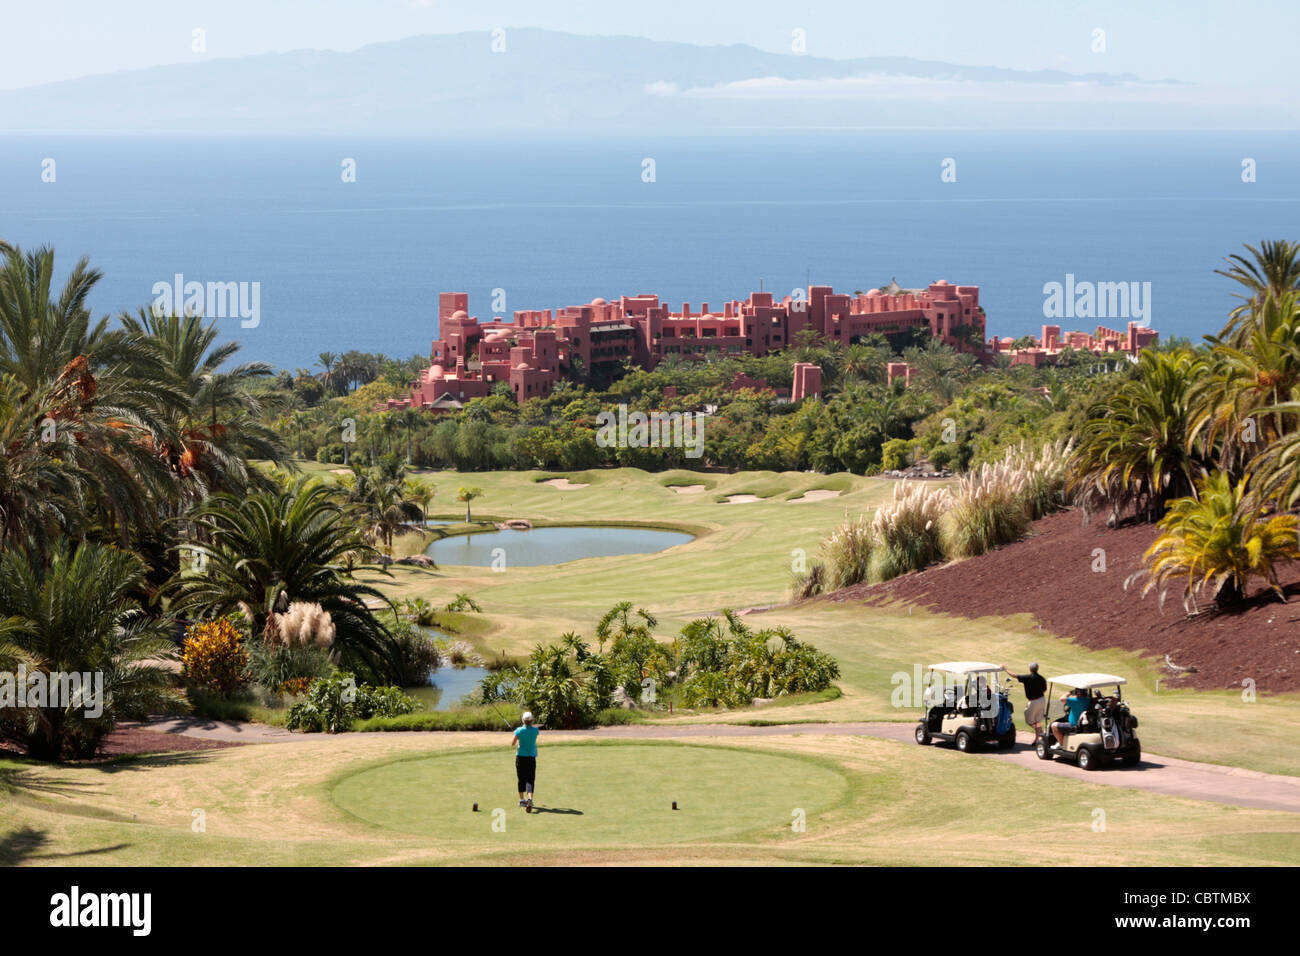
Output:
x,y
1094,727
1076,705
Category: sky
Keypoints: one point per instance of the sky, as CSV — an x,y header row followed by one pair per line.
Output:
x,y
1244,45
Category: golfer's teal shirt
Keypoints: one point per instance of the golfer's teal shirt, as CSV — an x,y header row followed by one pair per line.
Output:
x,y
527,737
1076,706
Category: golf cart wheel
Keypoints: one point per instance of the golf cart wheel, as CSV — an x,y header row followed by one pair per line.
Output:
x,y
965,741
1042,748
1088,759
922,735
1007,740
1133,759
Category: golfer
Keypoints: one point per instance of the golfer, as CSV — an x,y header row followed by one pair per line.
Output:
x,y
1035,697
525,740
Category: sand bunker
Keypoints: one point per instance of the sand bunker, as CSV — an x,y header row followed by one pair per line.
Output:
x,y
563,483
817,494
687,489
742,499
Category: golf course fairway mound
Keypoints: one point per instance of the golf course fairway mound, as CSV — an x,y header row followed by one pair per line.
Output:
x,y
595,793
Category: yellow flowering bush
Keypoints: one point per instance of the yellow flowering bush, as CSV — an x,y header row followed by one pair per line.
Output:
x,y
213,656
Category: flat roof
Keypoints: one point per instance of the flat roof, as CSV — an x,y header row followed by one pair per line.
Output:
x,y
1087,679
965,667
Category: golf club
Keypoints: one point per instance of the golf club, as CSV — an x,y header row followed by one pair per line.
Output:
x,y
503,717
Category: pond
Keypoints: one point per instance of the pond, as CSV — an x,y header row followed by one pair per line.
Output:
x,y
448,686
538,546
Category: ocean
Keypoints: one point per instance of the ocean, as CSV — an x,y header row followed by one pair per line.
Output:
x,y
558,220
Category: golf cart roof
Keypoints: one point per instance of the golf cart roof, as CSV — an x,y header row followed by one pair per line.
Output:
x,y
1088,681
965,667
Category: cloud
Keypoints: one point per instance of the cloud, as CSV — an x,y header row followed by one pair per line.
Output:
x,y
951,89
661,88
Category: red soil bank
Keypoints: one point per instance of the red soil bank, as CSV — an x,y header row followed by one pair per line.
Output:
x,y
1049,575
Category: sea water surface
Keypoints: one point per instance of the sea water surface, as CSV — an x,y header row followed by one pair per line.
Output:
x,y
554,221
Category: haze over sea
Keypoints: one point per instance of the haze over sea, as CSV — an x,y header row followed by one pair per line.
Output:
x,y
557,221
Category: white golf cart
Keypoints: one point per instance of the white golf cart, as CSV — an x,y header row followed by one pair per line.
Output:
x,y
1106,729
965,703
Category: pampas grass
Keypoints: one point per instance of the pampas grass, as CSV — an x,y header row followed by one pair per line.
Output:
x,y
994,504
847,554
924,523
905,532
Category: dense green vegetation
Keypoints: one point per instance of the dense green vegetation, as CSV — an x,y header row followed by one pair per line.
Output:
x,y
713,662
954,413
130,507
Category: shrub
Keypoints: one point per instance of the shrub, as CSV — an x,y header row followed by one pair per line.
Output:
x,y
213,656
463,602
811,582
276,665
382,702
334,703
896,454
417,654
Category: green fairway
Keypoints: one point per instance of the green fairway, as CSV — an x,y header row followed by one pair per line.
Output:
x,y
595,793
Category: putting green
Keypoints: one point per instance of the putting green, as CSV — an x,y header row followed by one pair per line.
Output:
x,y
595,793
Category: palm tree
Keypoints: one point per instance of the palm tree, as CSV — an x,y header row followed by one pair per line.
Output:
x,y
420,492
468,493
412,419
1218,540
393,514
218,425
40,487
1275,270
1275,474
1135,448
269,549
327,360
1247,384
78,615
100,391
619,622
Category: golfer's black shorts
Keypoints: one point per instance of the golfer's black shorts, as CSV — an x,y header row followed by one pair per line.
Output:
x,y
526,771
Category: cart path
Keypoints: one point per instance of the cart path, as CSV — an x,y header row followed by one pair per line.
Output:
x,y
1170,776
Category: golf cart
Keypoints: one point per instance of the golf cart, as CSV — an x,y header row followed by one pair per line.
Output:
x,y
965,703
1106,730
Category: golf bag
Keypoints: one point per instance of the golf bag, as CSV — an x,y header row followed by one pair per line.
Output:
x,y
1004,714
1115,723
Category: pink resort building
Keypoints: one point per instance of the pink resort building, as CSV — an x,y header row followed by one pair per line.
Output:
x,y
538,348
1103,342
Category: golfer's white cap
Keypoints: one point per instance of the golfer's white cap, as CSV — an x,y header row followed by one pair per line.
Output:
x,y
528,717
